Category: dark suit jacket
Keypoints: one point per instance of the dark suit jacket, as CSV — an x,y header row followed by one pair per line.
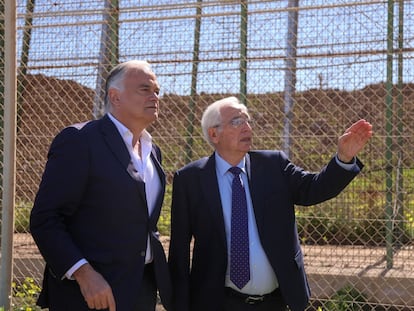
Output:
x,y
91,205
276,185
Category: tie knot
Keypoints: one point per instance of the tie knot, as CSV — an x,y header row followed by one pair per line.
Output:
x,y
235,170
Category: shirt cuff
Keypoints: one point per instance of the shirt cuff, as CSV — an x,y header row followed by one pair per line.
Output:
x,y
346,166
76,266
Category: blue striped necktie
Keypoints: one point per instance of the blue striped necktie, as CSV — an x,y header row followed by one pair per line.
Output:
x,y
239,245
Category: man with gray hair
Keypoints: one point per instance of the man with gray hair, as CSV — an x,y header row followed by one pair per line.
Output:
x,y
95,215
237,206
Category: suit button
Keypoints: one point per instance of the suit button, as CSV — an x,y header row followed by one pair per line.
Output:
x,y
142,253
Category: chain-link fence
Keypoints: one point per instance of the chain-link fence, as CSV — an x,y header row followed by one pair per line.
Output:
x,y
306,70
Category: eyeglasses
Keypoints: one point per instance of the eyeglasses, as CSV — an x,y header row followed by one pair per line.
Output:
x,y
238,122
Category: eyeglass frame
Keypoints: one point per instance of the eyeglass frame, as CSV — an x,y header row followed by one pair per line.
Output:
x,y
237,122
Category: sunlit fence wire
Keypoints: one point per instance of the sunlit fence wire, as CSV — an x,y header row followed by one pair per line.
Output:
x,y
306,70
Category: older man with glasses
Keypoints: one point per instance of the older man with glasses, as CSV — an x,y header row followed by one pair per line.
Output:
x,y
237,206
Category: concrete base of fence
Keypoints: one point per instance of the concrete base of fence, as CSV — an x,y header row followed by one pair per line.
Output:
x,y
378,290
330,268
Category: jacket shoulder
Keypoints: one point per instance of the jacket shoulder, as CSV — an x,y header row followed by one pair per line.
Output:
x,y
194,166
79,126
267,154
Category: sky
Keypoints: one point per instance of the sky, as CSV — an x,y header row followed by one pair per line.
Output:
x,y
341,45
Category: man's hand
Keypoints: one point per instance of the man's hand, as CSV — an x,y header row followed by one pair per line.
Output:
x,y
96,291
353,140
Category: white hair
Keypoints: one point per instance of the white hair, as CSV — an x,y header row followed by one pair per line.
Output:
x,y
212,115
117,74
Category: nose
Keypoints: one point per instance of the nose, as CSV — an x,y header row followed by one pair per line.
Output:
x,y
155,96
247,126
249,123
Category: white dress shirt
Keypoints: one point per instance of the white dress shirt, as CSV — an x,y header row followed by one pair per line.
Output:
x,y
262,277
143,164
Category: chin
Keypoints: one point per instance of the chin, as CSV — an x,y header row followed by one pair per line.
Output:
x,y
247,148
153,117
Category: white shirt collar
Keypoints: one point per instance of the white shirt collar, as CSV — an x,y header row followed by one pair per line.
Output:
x,y
223,166
126,134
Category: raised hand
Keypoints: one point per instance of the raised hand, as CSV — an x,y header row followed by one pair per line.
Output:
x,y
353,140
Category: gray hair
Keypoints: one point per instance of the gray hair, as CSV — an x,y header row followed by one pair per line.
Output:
x,y
212,115
117,74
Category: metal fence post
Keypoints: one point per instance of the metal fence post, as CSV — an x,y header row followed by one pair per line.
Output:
x,y
9,184
290,72
389,134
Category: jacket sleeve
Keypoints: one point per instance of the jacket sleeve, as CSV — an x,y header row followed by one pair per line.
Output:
x,y
313,188
63,182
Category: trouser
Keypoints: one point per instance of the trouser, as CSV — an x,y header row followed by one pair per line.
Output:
x,y
147,295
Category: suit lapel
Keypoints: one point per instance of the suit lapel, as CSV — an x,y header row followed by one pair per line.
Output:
x,y
211,194
256,185
117,146
156,158
114,141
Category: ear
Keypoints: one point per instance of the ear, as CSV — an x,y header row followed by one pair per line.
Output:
x,y
213,134
114,96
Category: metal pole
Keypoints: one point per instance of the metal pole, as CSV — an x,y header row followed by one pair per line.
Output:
x,y
243,52
194,74
109,54
2,74
9,179
24,58
27,36
400,127
388,139
290,75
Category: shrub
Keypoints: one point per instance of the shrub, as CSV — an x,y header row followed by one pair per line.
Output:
x,y
22,217
347,298
25,295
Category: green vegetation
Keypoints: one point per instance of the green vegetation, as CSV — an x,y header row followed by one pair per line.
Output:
x,y
22,217
25,295
347,298
336,222
332,222
165,216
363,222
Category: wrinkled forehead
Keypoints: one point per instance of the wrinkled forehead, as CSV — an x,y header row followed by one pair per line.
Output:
x,y
232,111
143,75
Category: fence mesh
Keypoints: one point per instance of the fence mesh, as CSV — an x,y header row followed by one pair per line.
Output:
x,y
358,247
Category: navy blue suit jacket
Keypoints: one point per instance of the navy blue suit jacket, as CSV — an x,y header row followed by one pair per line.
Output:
x,y
91,205
276,185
